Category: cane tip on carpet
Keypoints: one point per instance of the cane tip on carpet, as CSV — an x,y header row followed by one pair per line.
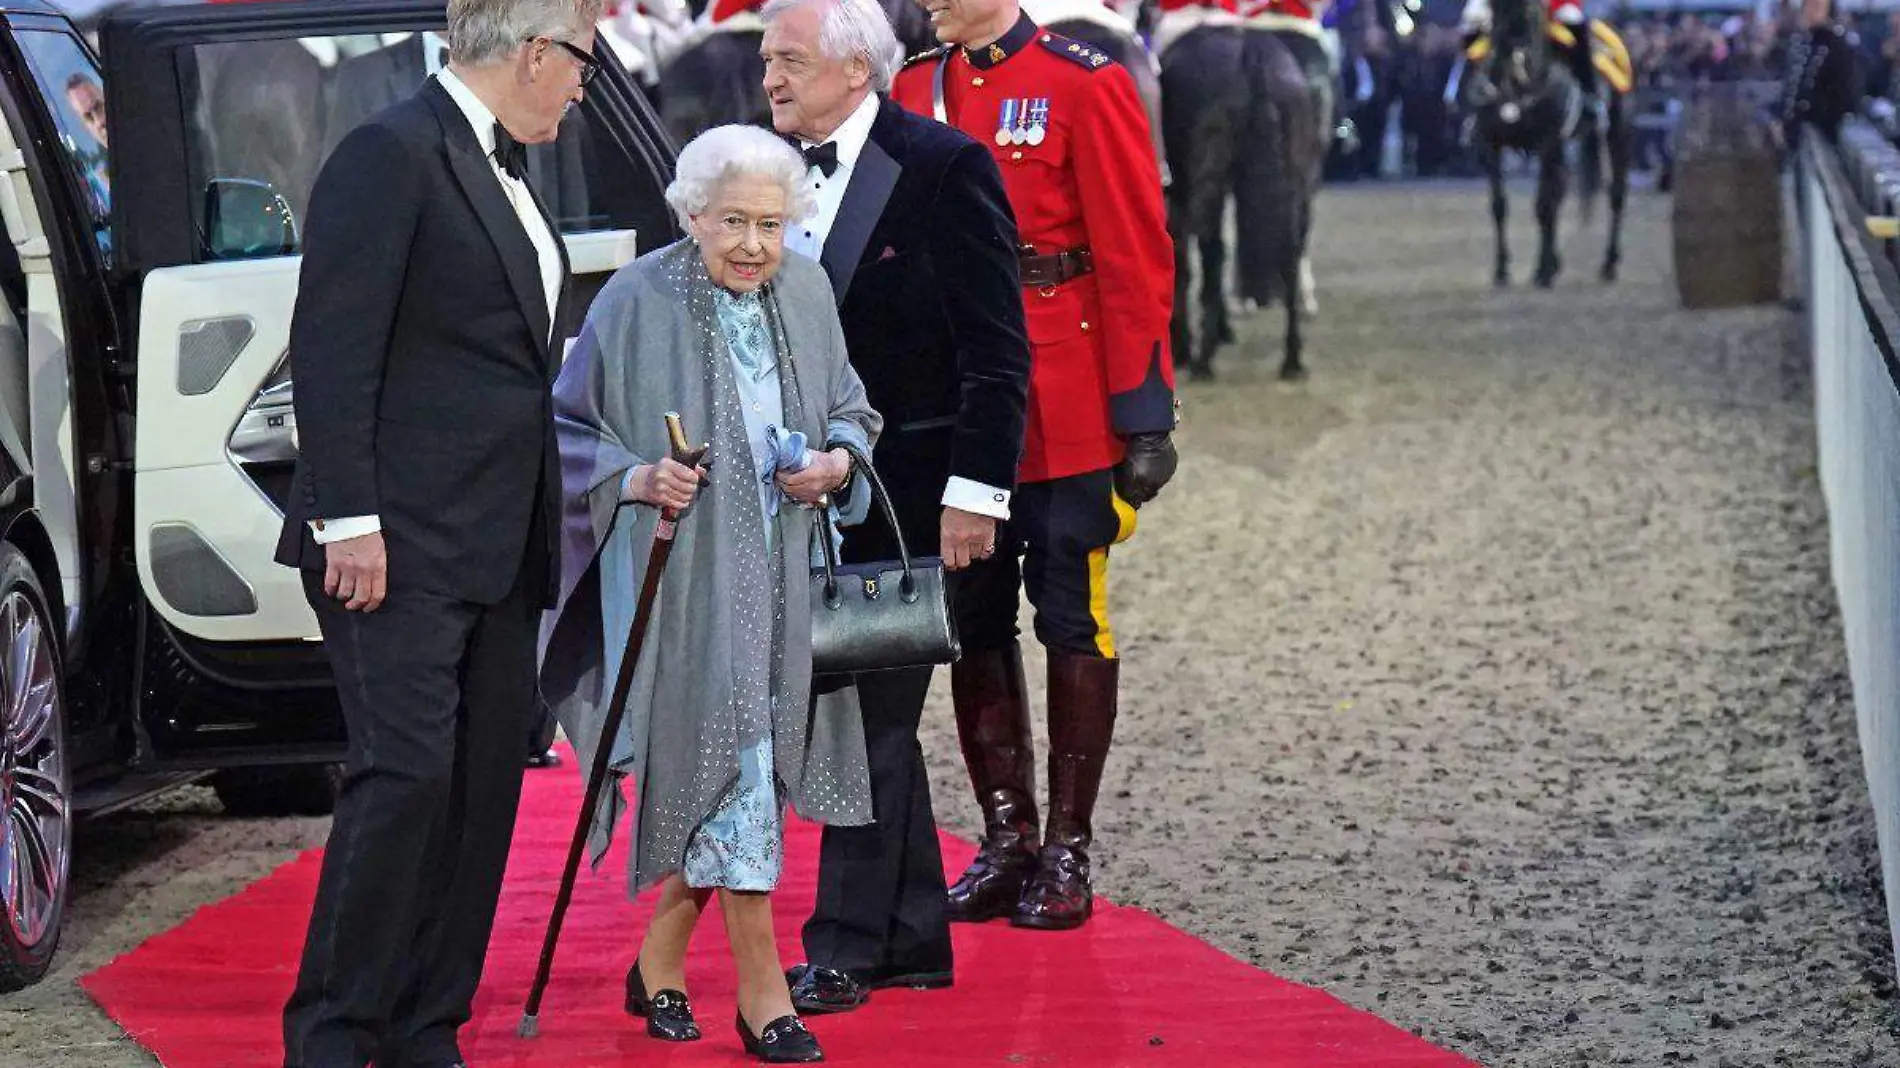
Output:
x,y
529,1027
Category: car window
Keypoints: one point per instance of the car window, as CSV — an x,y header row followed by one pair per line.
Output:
x,y
73,88
268,113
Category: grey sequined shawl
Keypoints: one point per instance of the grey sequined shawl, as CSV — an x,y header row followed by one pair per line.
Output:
x,y
652,345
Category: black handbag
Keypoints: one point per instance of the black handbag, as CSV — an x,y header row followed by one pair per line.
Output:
x,y
881,615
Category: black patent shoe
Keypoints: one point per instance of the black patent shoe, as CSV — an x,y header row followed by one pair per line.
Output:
x,y
784,1041
817,991
669,1015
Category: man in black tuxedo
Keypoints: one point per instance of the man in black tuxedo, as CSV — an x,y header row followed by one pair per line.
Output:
x,y
424,520
915,230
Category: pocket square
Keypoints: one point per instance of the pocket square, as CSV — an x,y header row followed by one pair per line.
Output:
x,y
889,253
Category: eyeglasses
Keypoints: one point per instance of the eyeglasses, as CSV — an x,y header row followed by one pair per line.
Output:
x,y
735,225
589,63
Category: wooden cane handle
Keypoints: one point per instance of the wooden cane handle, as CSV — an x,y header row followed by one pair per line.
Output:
x,y
683,454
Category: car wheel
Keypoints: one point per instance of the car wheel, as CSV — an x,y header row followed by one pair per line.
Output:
x,y
291,790
36,830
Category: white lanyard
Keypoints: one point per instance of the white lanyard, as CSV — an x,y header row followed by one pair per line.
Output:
x,y
936,91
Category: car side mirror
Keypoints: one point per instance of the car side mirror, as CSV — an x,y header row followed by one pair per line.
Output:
x,y
246,219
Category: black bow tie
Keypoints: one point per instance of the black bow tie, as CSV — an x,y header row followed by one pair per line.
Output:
x,y
824,157
510,154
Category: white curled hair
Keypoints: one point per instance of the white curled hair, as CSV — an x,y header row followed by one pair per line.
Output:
x,y
727,152
484,31
852,28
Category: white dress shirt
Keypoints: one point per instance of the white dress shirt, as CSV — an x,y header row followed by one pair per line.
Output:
x,y
547,253
809,237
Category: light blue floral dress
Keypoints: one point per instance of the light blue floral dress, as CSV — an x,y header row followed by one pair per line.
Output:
x,y
741,845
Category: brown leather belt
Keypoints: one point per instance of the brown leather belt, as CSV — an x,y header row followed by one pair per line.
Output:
x,y
1054,268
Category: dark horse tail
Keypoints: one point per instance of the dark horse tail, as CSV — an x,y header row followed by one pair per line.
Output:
x,y
1271,195
1204,106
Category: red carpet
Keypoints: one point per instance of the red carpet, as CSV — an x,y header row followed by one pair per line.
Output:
x,y
1126,990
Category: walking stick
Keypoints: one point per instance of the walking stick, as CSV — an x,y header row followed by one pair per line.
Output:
x,y
603,754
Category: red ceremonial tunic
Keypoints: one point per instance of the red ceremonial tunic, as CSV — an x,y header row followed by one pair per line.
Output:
x,y
1298,9
1181,5
1080,173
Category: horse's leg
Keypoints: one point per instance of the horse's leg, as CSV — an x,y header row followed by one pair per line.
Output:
x,y
1619,185
1309,294
1590,161
1500,212
1553,178
1219,304
1214,325
1291,369
1180,335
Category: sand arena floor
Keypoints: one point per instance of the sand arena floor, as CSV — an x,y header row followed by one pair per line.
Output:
x,y
1491,680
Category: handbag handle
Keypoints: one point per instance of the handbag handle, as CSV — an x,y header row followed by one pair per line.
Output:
x,y
907,588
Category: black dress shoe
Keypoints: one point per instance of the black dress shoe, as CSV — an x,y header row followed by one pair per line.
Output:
x,y
549,759
818,991
783,1041
669,1015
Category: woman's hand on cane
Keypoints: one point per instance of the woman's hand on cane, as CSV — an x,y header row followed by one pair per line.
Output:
x,y
668,484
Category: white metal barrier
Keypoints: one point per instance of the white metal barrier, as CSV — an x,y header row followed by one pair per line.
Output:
x,y
1853,327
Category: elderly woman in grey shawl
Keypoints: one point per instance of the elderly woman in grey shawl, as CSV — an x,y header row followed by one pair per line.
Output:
x,y
722,728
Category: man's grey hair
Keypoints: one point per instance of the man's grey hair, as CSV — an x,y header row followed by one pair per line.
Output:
x,y
484,31
723,153
852,28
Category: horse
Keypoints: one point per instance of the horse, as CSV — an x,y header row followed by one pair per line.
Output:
x,y
1521,97
1239,120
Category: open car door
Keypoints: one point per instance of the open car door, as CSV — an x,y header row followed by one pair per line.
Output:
x,y
220,117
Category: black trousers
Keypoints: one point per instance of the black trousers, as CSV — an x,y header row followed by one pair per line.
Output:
x,y
880,907
437,694
1055,548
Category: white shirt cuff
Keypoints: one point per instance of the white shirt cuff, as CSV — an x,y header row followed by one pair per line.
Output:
x,y
626,487
967,495
344,529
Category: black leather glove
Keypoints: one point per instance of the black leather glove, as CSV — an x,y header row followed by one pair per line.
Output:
x,y
1146,467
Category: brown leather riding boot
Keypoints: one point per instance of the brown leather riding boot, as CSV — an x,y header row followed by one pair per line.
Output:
x,y
993,725
1081,724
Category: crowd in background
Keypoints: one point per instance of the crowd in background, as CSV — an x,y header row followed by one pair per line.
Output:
x,y
1397,79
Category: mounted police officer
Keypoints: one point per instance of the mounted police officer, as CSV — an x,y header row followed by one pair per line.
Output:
x,y
1067,129
1476,22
